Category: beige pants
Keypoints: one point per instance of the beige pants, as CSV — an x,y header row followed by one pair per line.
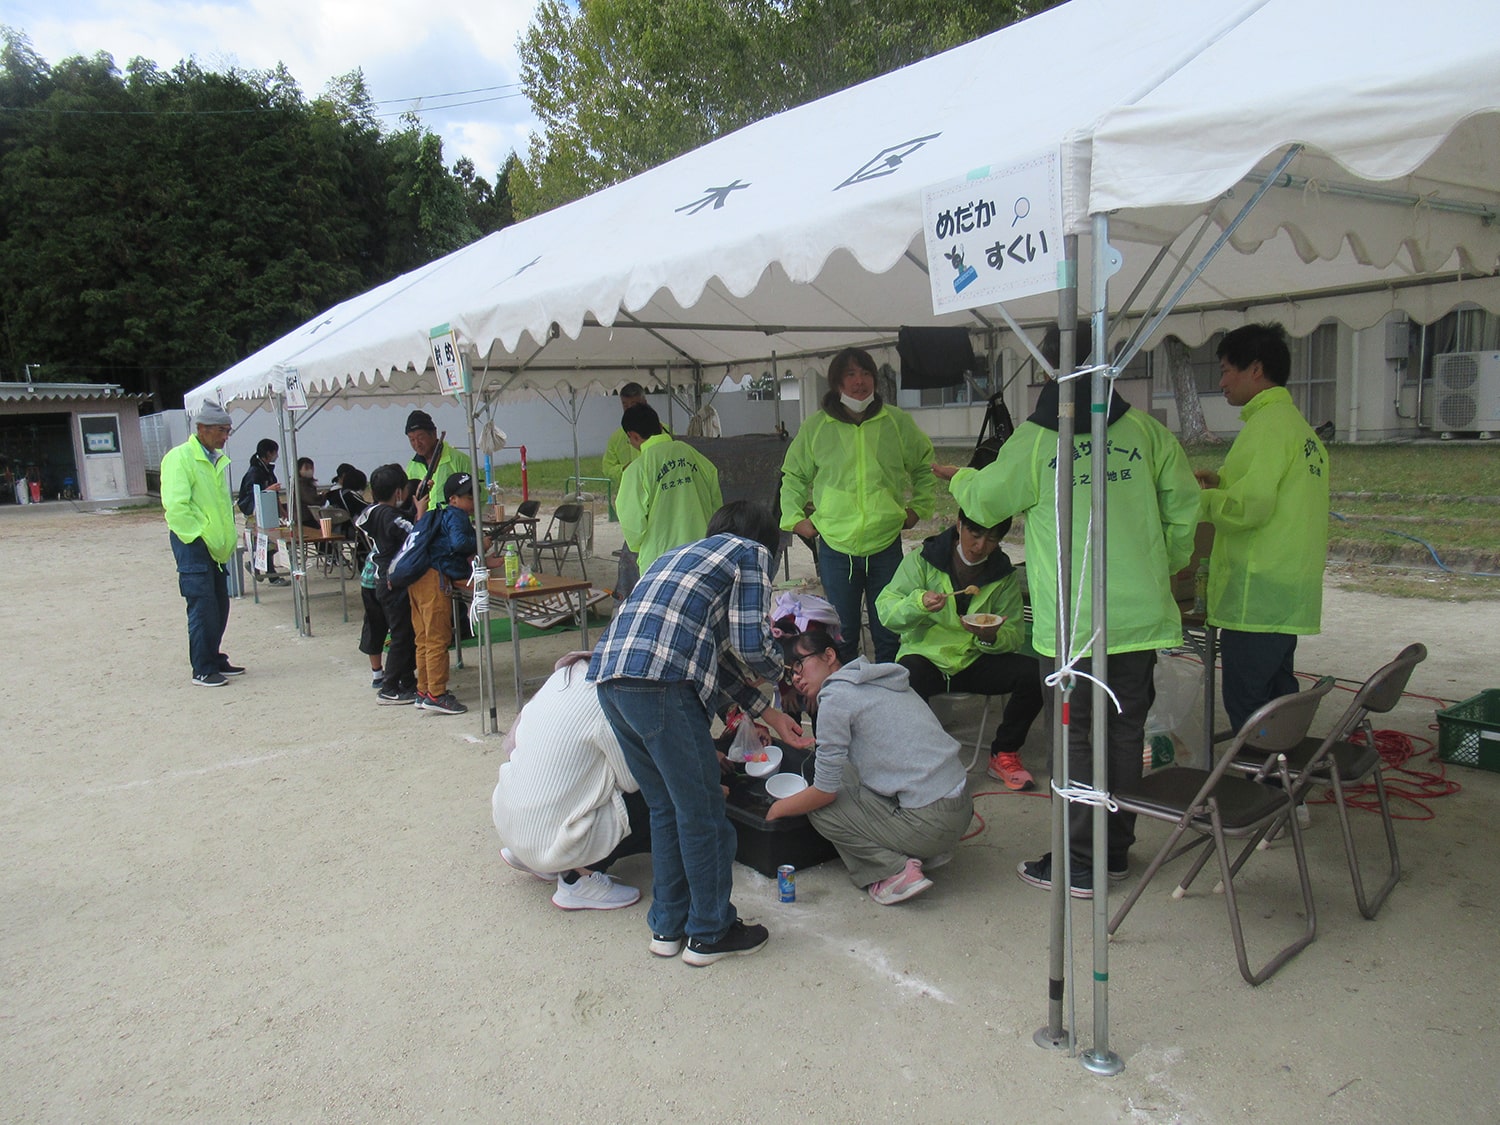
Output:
x,y
432,622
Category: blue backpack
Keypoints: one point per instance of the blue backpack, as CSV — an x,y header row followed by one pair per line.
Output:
x,y
414,558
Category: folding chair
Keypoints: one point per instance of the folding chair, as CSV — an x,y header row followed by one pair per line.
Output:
x,y
562,536
1217,806
1337,762
519,529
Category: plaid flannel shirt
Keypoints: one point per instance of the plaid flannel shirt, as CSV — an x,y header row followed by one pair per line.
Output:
x,y
695,608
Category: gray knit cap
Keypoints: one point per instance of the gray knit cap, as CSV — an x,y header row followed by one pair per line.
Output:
x,y
212,414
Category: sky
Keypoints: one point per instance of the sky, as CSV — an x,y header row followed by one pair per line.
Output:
x,y
412,52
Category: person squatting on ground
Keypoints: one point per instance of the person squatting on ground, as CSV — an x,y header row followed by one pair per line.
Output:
x,y
924,603
857,460
387,529
566,805
888,789
200,527
262,472
661,673
1153,516
668,493
1269,507
618,454
431,595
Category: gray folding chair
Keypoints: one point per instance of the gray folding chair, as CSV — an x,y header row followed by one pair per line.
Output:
x,y
1216,806
519,528
1337,762
562,537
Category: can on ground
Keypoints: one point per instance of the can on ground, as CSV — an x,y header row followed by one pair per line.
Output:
x,y
786,882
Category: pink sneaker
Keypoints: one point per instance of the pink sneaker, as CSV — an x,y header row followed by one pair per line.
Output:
x,y
904,884
1008,770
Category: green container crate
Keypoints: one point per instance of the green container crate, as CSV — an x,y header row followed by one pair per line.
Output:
x,y
1469,732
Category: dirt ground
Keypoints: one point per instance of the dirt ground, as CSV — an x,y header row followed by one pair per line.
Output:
x,y
276,901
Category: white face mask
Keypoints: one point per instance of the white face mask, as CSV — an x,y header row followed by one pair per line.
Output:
x,y
855,405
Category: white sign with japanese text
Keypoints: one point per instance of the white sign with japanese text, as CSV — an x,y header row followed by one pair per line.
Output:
x,y
994,235
292,390
448,361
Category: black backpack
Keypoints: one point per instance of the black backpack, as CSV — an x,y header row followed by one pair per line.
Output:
x,y
414,558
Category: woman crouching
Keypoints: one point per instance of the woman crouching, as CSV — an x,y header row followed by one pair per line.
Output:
x,y
888,789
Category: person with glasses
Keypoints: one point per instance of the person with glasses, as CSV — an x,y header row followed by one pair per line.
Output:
x,y
888,790
200,526
927,602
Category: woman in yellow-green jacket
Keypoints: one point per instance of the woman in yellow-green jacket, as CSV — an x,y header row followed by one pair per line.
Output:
x,y
864,466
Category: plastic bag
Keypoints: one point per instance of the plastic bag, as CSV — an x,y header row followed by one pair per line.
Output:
x,y
1178,709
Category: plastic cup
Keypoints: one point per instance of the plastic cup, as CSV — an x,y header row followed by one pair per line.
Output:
x,y
326,523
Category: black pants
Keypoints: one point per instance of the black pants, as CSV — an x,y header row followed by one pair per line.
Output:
x,y
1257,669
993,673
1132,679
401,660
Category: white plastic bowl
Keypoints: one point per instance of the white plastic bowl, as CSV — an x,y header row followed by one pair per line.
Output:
x,y
984,620
769,766
785,785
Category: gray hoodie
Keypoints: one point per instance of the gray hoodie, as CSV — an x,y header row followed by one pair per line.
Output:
x,y
869,716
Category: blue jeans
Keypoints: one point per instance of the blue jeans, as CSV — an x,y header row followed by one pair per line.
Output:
x,y
204,585
663,730
848,579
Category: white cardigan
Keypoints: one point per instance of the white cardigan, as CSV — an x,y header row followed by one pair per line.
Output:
x,y
558,804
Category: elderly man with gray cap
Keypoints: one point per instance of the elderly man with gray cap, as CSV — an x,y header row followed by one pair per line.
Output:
x,y
433,459
200,525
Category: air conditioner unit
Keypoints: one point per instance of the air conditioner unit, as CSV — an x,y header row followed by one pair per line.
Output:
x,y
1465,393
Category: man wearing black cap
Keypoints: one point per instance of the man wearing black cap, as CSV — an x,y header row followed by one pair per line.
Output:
x,y
432,457
200,524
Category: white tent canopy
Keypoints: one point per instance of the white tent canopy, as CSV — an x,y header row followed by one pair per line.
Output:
x,y
802,233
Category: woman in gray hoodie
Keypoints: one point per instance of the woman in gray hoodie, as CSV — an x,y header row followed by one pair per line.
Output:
x,y
888,789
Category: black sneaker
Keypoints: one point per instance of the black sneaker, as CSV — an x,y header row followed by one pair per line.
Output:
x,y
393,698
445,704
277,580
377,680
664,946
231,670
1038,872
740,941
210,679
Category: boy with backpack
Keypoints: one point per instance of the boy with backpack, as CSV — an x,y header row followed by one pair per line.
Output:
x,y
447,534
387,530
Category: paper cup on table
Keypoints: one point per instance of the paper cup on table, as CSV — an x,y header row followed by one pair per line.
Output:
x,y
326,523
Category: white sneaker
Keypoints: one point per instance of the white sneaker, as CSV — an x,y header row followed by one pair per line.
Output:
x,y
597,891
510,858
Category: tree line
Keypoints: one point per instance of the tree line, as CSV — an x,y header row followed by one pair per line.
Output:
x,y
158,225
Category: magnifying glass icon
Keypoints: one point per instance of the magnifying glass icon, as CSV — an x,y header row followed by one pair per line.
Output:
x,y
1022,209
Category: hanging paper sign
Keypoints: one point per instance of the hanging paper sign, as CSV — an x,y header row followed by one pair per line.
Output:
x,y
994,235
448,360
291,388
262,551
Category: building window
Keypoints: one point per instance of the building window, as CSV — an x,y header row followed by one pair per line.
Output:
x,y
1314,379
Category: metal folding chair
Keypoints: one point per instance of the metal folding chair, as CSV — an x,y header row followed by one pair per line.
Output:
x,y
519,529
562,537
1337,762
1216,806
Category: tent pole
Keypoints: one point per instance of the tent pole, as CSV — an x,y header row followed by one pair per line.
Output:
x,y
294,506
1056,1033
481,586
573,418
1099,1059
776,391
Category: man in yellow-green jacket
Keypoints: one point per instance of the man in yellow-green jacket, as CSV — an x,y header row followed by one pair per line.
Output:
x,y
863,465
668,492
1153,516
1269,507
200,527
618,454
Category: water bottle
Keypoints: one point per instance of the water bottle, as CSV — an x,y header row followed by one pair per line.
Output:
x,y
512,564
1200,587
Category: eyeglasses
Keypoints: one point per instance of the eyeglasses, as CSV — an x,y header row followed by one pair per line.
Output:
x,y
794,667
